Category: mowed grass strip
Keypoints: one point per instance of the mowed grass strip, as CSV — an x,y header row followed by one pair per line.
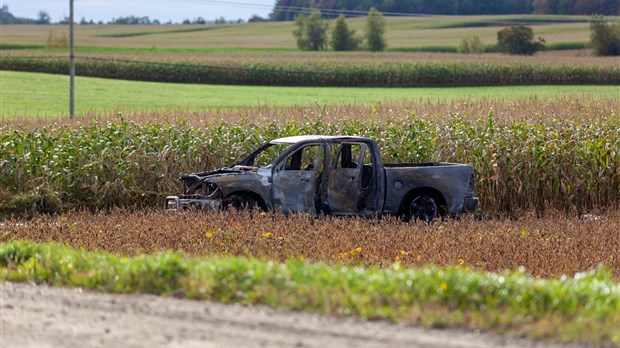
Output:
x,y
36,95
584,308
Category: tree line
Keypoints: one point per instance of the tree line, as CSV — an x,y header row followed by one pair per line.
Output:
x,y
43,17
311,33
288,9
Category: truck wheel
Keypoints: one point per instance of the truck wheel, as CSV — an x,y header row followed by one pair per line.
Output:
x,y
243,202
423,208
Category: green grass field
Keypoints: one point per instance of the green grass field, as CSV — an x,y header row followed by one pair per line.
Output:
x,y
47,96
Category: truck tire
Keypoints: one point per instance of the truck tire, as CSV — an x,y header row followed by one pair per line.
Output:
x,y
243,202
423,208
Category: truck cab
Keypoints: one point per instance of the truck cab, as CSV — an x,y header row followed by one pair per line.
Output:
x,y
335,175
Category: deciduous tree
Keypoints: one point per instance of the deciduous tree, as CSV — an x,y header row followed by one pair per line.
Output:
x,y
604,37
344,39
518,39
311,31
375,30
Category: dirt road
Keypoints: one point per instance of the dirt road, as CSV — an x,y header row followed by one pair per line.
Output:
x,y
41,316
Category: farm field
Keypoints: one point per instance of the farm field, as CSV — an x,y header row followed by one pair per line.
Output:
x,y
401,33
528,154
570,244
44,96
539,260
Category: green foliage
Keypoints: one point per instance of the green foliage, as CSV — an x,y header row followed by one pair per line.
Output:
x,y
471,44
344,39
454,7
576,7
604,38
476,299
520,166
518,39
317,73
375,31
99,96
311,31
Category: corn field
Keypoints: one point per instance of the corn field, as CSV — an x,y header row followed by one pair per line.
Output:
x,y
521,164
317,73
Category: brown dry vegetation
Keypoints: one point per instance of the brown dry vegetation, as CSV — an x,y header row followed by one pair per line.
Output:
x,y
546,247
569,107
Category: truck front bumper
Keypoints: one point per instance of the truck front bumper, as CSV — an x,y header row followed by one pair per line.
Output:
x,y
176,203
470,204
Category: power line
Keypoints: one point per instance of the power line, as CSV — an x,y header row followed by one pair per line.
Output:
x,y
324,11
299,9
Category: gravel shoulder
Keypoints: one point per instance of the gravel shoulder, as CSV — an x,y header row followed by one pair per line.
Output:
x,y
42,316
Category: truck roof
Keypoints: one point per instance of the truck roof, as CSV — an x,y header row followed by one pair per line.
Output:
x,y
299,138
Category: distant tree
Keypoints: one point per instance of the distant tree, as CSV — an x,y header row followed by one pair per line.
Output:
x,y
311,31
199,20
131,20
220,20
344,39
471,44
375,30
604,37
43,18
186,21
518,39
256,18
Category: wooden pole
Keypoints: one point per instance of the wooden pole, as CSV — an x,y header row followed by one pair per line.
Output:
x,y
71,63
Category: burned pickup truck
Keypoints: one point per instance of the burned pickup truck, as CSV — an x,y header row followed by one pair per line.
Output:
x,y
335,175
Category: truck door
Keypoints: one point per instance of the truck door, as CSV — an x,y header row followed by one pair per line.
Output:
x,y
295,179
353,180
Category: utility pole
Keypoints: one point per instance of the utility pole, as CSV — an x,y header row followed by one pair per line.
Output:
x,y
71,63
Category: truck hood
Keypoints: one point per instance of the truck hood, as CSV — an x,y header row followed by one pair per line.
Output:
x,y
236,169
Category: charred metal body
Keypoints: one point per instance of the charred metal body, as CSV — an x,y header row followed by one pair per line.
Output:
x,y
336,175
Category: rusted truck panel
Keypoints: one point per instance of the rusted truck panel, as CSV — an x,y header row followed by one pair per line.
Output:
x,y
336,175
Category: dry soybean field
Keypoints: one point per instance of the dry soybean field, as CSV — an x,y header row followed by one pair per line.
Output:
x,y
548,247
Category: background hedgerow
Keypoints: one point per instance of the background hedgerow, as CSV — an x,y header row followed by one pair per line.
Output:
x,y
322,73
